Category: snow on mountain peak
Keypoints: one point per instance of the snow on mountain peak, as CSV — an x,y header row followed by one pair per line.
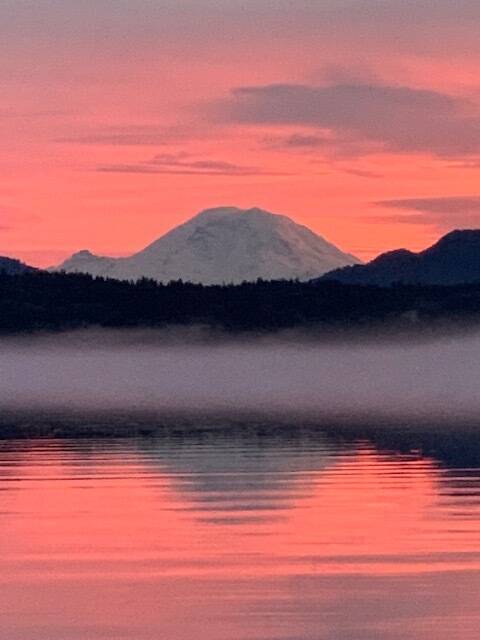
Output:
x,y
224,244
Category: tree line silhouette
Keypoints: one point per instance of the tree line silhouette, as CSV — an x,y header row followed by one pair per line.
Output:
x,y
59,301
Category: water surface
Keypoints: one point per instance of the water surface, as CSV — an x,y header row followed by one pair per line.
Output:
x,y
255,534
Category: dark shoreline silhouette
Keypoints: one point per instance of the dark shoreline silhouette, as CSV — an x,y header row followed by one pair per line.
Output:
x,y
40,301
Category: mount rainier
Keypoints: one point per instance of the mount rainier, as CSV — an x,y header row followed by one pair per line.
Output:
x,y
223,245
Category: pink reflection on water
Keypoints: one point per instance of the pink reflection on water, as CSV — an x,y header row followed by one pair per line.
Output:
x,y
103,540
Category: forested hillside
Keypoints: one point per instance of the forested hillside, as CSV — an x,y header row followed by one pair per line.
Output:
x,y
54,301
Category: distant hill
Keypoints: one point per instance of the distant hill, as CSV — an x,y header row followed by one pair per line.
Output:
x,y
12,266
219,245
454,259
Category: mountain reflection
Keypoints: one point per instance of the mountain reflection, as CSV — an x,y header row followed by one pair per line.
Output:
x,y
241,476
268,449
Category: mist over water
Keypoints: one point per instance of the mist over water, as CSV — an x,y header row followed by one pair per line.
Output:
x,y
242,530
151,371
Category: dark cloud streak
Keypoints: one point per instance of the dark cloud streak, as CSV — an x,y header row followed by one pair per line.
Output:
x,y
442,213
183,164
448,204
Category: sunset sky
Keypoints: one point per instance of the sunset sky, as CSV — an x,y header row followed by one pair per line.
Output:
x,y
122,118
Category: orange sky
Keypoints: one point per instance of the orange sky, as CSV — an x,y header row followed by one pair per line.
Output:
x,y
121,119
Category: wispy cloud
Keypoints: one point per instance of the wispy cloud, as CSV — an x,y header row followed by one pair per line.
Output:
x,y
468,163
118,139
299,141
442,213
184,164
363,173
361,118
127,135
16,114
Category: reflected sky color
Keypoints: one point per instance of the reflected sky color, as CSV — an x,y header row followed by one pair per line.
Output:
x,y
256,535
121,119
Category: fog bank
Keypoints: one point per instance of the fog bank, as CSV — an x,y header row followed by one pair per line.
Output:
x,y
434,381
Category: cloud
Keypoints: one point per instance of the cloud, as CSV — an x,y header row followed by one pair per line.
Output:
x,y
442,213
361,118
127,135
193,23
363,173
183,164
16,114
452,205
469,163
127,168
340,74
299,141
118,139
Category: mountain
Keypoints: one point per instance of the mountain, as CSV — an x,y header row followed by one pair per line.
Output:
x,y
454,259
12,266
219,245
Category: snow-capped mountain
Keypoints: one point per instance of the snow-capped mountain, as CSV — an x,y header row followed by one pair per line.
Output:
x,y
219,245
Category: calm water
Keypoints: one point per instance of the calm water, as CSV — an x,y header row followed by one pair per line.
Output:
x,y
271,535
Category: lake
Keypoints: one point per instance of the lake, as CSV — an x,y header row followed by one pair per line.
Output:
x,y
254,533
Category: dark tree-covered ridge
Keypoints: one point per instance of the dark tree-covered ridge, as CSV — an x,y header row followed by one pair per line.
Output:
x,y
454,259
58,301
12,266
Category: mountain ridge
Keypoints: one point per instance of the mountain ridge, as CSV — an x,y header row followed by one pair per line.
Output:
x,y
222,244
453,259
13,266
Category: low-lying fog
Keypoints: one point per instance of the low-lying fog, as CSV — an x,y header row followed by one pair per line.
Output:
x,y
142,372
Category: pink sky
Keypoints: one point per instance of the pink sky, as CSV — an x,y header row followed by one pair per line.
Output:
x,y
121,119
